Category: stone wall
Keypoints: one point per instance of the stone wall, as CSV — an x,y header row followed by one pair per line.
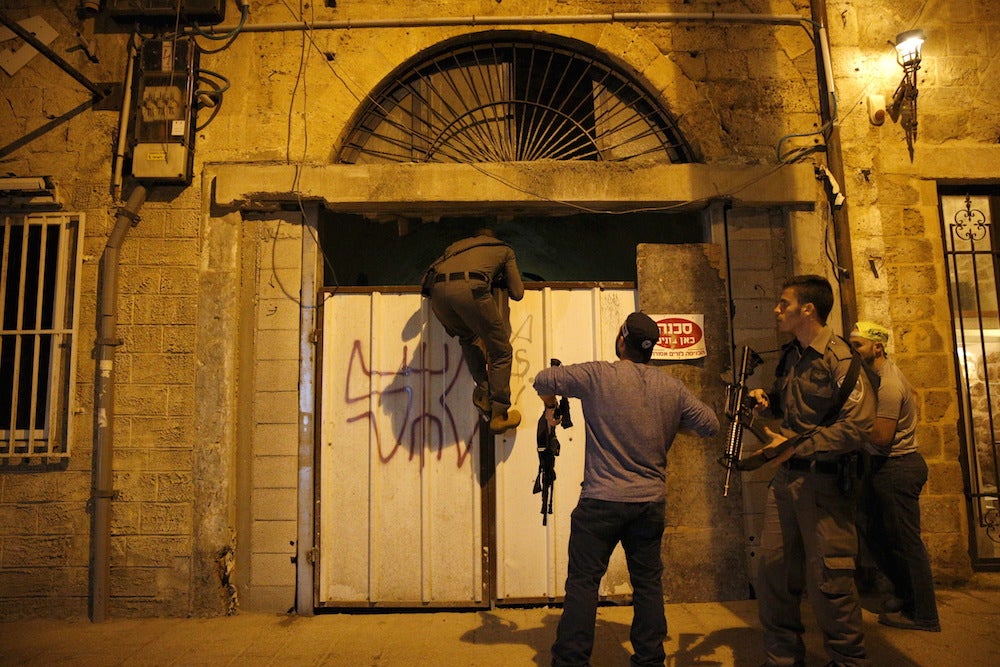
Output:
x,y
267,545
200,379
155,431
895,226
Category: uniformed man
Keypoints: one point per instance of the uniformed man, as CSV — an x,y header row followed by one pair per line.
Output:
x,y
894,477
809,541
462,300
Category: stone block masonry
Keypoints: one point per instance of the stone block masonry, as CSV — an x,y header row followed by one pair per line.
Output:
x,y
201,401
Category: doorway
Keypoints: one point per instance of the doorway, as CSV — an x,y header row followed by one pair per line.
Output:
x,y
972,250
584,247
420,507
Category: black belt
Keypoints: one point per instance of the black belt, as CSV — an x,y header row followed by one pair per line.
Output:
x,y
462,275
810,465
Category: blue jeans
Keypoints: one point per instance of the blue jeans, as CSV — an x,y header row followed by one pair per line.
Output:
x,y
597,526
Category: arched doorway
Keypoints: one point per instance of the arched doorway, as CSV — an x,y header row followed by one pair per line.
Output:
x,y
426,510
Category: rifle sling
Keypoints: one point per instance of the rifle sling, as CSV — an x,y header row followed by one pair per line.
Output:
x,y
763,455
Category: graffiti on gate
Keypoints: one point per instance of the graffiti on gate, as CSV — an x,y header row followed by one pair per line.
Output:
x,y
395,394
392,400
521,339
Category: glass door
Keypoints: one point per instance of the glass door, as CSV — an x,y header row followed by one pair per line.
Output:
x,y
971,250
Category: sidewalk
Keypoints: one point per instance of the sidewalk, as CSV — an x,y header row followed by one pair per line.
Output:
x,y
725,634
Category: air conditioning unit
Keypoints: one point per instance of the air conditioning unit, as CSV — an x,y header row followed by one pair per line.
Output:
x,y
207,12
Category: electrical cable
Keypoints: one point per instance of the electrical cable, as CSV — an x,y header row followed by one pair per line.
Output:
x,y
301,78
228,37
836,268
209,99
801,152
217,93
244,13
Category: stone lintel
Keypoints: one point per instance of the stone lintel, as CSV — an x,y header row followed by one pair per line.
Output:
x,y
429,189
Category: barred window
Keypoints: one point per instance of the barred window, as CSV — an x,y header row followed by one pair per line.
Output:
x,y
39,269
513,96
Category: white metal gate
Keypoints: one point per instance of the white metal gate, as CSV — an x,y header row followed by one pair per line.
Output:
x,y
407,515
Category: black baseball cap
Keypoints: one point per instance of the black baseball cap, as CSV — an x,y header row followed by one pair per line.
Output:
x,y
640,332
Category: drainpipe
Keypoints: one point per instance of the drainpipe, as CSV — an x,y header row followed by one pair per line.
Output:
x,y
102,490
305,551
126,113
835,163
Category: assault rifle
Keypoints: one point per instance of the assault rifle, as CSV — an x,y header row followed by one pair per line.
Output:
x,y
740,411
548,449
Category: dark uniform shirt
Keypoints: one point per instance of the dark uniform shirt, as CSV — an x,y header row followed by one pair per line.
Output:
x,y
488,256
810,385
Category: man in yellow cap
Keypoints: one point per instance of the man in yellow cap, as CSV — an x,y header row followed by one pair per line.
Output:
x,y
891,490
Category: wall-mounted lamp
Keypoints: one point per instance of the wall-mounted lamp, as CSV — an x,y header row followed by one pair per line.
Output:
x,y
909,45
903,107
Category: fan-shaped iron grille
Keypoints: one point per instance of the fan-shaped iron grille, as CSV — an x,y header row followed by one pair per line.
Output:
x,y
510,99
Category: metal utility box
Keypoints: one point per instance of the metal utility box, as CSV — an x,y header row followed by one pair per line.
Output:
x,y
163,11
163,125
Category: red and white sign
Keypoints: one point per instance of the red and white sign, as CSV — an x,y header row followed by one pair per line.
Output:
x,y
681,336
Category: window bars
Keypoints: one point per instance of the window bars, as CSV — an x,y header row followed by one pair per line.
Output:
x,y
503,98
972,250
39,268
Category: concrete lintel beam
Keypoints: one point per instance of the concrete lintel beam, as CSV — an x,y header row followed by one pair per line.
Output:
x,y
426,188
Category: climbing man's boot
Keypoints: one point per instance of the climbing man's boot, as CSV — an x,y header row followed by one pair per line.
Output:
x,y
504,420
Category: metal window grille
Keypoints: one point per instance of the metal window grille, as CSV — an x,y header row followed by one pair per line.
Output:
x,y
39,268
512,97
972,249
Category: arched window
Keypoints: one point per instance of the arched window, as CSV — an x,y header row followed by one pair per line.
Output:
x,y
502,96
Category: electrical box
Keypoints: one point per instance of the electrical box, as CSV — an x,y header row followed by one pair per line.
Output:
x,y
163,125
163,11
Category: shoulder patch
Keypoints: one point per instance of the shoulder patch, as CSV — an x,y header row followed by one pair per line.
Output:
x,y
840,348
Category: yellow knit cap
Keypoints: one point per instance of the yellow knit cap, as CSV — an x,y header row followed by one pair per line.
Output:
x,y
872,331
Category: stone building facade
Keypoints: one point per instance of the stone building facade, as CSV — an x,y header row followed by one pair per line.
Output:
x,y
211,406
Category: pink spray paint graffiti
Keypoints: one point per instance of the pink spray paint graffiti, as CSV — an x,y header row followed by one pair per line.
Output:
x,y
395,394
